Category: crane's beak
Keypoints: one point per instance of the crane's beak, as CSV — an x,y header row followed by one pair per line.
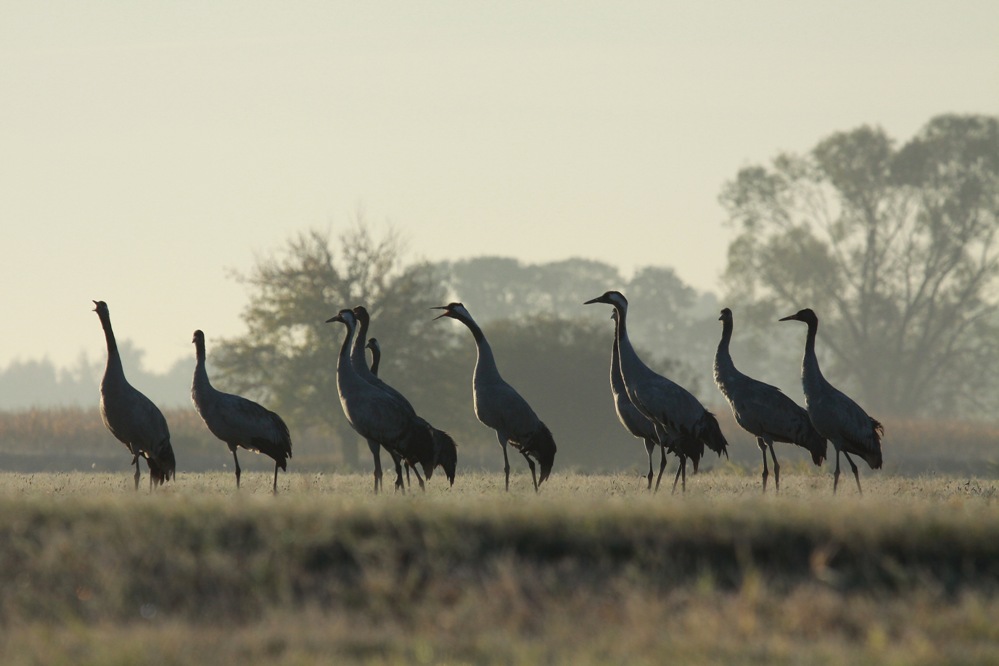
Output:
x,y
793,317
598,299
336,317
446,313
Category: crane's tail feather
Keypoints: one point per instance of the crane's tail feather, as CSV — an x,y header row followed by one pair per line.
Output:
x,y
162,463
445,453
280,451
873,455
541,445
709,432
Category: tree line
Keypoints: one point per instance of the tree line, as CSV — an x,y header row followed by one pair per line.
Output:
x,y
893,245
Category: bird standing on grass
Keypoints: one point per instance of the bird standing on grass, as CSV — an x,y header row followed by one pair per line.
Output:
x,y
661,400
762,410
499,406
132,417
238,421
374,414
837,418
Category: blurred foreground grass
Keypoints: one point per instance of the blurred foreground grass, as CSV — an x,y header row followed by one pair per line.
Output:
x,y
592,570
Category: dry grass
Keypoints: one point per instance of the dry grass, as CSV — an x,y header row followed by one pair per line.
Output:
x,y
592,570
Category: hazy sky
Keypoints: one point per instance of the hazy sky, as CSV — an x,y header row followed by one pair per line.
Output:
x,y
147,149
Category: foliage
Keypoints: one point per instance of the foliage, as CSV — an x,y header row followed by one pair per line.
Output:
x,y
894,248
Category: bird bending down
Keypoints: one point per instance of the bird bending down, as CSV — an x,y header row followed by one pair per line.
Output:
x,y
132,417
238,421
445,449
499,406
762,410
376,415
837,418
641,427
667,404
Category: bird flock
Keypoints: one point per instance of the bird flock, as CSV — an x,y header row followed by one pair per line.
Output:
x,y
651,407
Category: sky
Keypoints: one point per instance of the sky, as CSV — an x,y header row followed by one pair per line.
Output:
x,y
149,151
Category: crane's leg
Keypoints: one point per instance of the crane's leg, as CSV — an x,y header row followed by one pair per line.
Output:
x,y
662,466
836,473
506,460
681,470
238,470
650,446
418,477
408,483
856,474
376,454
534,476
275,477
773,454
763,450
135,461
399,485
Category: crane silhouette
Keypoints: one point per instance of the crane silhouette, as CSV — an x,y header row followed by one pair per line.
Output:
x,y
445,449
376,415
237,421
661,400
641,427
762,410
132,417
499,406
834,414
373,446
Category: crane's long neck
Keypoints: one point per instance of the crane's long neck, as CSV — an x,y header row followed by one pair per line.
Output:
x,y
357,360
724,366
114,358
617,382
630,362
200,371
811,375
376,358
485,362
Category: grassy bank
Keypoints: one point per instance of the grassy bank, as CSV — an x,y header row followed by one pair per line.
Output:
x,y
592,570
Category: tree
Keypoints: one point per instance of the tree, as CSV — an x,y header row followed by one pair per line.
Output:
x,y
287,359
895,249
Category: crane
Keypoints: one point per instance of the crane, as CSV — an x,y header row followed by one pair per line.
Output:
x,y
661,400
641,427
374,446
132,417
834,414
498,405
445,449
376,415
762,410
236,420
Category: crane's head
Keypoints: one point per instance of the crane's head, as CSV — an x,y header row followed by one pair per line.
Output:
x,y
615,298
199,337
373,345
726,316
345,317
361,315
806,315
453,310
100,307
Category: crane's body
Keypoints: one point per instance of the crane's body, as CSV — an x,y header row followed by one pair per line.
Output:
x,y
833,413
445,449
763,410
499,406
667,404
374,414
130,416
237,421
639,425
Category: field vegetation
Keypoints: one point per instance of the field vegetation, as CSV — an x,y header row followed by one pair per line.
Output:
x,y
594,569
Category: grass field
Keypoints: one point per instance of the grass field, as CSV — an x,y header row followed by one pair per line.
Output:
x,y
594,569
